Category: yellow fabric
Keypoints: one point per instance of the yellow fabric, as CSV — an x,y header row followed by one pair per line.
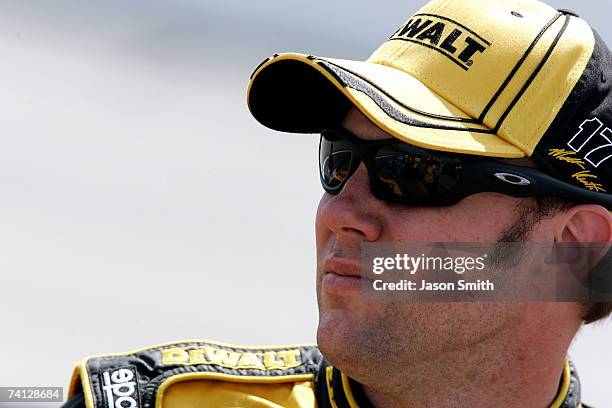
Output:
x,y
80,381
225,394
330,390
422,76
208,355
436,139
348,392
565,383
403,87
199,389
212,393
510,37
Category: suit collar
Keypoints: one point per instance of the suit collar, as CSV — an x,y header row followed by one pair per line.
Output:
x,y
335,389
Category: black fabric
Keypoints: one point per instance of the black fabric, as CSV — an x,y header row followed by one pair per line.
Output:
x,y
321,390
78,401
307,105
291,96
572,398
150,371
359,394
591,98
376,94
340,398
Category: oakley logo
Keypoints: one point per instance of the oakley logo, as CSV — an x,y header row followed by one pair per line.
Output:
x,y
120,388
453,40
594,139
513,179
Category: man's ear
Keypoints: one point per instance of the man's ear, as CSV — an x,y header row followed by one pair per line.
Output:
x,y
584,223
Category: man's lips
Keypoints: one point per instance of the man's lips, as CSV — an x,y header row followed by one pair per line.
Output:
x,y
342,275
342,266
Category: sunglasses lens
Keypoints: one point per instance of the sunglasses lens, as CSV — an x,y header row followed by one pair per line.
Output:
x,y
411,173
335,155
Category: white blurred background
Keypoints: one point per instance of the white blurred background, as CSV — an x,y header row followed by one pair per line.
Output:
x,y
139,201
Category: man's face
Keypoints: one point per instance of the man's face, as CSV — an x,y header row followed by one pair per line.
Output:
x,y
357,335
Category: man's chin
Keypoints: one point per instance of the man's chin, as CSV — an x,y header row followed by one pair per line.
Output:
x,y
339,335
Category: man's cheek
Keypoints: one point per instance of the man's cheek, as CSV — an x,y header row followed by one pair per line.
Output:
x,y
323,238
322,232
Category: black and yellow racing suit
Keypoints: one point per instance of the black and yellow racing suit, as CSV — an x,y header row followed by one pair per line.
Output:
x,y
206,374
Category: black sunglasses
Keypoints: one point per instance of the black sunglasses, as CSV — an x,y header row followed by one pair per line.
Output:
x,y
405,174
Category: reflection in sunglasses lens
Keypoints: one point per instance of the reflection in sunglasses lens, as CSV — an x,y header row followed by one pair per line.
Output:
x,y
410,172
334,161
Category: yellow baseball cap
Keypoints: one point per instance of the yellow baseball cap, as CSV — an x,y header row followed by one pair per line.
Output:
x,y
498,78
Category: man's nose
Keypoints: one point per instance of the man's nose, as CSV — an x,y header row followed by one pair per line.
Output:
x,y
354,213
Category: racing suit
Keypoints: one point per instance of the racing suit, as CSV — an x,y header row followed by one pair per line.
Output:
x,y
199,374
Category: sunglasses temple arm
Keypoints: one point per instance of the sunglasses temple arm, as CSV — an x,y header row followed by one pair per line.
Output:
x,y
535,184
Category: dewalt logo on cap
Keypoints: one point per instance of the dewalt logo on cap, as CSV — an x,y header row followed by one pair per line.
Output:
x,y
450,38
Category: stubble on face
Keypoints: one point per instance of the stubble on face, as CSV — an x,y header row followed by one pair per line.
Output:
x,y
365,338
